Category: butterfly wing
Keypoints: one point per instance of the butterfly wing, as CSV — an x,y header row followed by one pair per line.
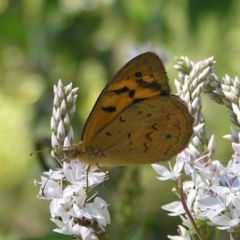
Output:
x,y
141,78
152,130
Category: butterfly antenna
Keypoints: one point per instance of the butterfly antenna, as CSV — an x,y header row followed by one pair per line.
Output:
x,y
47,149
41,145
39,151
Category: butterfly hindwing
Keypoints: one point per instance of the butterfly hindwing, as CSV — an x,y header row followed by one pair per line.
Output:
x,y
149,131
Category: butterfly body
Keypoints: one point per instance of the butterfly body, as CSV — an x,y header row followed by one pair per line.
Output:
x,y
135,120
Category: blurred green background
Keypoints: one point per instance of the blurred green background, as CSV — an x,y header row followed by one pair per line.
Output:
x,y
86,42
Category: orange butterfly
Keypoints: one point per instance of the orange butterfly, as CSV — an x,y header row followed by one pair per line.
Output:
x,y
136,119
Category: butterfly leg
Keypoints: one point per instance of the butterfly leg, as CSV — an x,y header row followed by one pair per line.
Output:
x,y
106,174
87,184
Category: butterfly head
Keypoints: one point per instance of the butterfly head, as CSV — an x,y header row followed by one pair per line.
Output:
x,y
74,152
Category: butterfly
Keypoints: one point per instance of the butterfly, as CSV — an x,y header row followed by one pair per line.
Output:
x,y
136,119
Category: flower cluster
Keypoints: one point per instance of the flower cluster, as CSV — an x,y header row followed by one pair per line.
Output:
x,y
208,192
68,187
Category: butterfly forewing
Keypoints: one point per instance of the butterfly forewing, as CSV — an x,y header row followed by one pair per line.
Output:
x,y
141,78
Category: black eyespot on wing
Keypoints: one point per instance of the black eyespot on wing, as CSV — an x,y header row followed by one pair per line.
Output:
x,y
168,136
138,74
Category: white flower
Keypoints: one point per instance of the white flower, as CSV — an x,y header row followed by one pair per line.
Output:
x,y
213,207
175,207
49,189
166,174
85,233
70,228
224,222
234,164
100,212
184,234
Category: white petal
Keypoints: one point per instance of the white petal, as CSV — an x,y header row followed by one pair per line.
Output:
x,y
164,172
236,202
184,234
175,207
221,220
236,147
210,202
236,183
56,209
51,189
61,131
102,205
87,233
228,137
234,222
212,145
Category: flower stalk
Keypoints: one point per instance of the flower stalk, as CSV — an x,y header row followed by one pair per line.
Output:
x,y
209,196
72,208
